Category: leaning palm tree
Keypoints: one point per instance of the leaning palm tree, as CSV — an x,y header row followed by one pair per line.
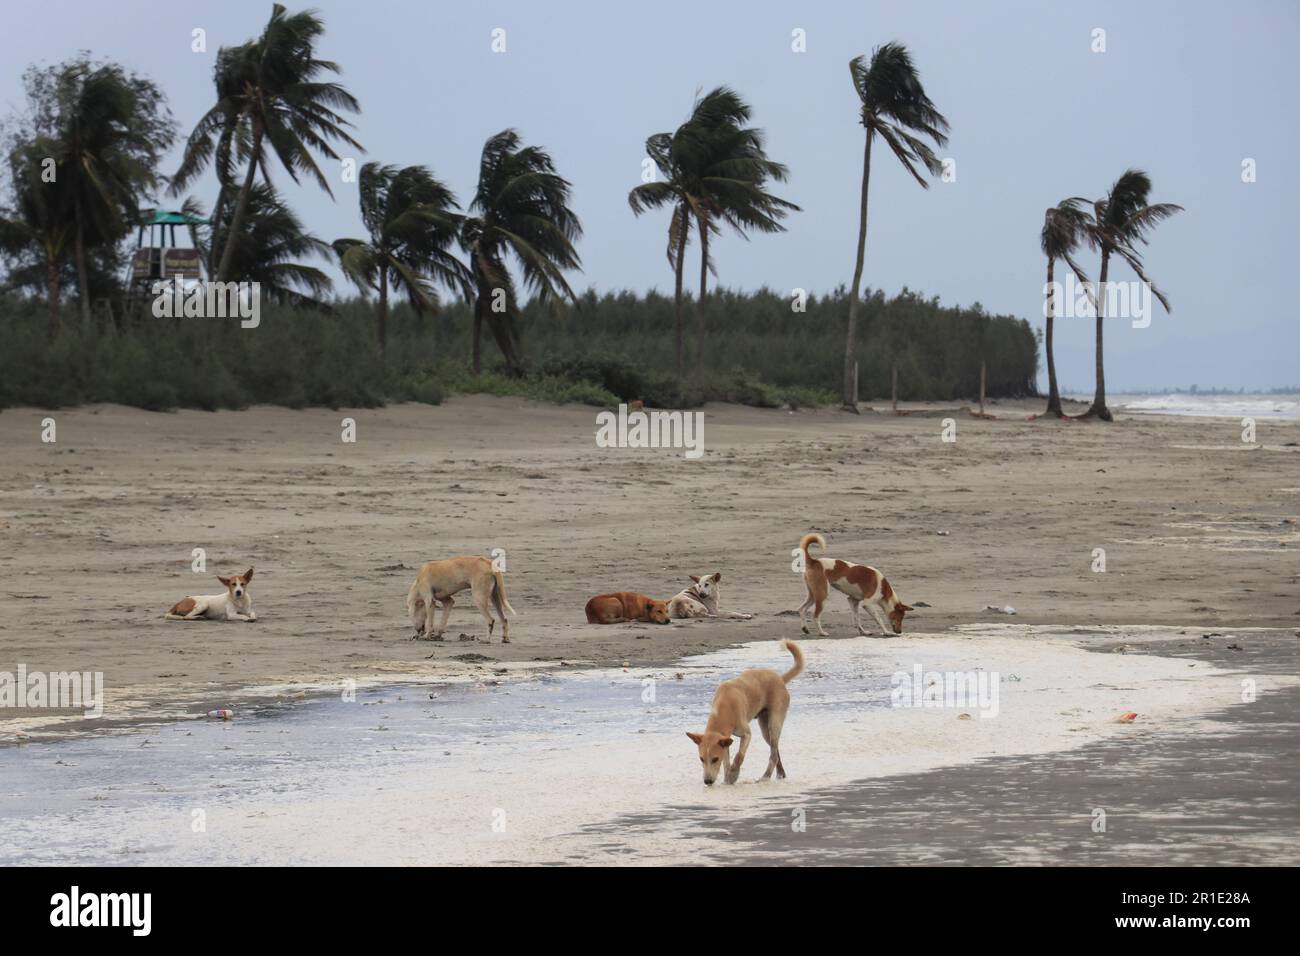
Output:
x,y
272,249
1120,219
728,184
667,152
895,108
270,94
113,130
1065,225
715,170
412,222
521,211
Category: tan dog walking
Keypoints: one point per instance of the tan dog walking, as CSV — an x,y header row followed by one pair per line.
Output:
x,y
437,581
757,693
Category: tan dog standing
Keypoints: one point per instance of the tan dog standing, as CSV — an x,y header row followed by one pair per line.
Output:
x,y
622,606
233,604
437,581
757,693
858,582
702,599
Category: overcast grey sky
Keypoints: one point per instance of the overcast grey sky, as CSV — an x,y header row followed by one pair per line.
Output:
x,y
1184,90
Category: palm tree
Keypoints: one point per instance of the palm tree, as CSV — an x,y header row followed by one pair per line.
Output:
x,y
269,92
520,210
668,151
412,222
41,218
895,108
715,169
274,243
1065,225
113,130
1120,219
729,183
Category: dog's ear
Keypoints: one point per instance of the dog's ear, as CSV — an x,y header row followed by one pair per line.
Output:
x,y
724,742
906,607
695,579
694,737
225,581
248,575
717,576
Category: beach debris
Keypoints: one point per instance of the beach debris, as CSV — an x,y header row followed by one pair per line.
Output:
x,y
964,717
1005,609
1014,677
1126,718
221,713
942,534
921,604
1234,647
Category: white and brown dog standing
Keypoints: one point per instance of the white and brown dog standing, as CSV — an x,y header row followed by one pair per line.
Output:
x,y
232,604
701,599
858,582
437,581
757,693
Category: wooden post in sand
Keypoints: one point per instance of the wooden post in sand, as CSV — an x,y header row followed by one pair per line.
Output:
x,y
983,380
893,388
855,384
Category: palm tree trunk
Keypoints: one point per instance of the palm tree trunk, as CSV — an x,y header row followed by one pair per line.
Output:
x,y
850,392
1099,408
501,332
1053,394
383,311
704,290
241,209
52,288
214,237
83,274
681,266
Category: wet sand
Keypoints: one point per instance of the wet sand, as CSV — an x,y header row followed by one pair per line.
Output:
x,y
97,530
1217,790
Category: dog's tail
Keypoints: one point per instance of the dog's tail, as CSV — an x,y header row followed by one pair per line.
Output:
x,y
808,541
499,595
795,671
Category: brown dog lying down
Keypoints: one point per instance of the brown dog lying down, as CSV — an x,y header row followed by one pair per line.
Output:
x,y
626,606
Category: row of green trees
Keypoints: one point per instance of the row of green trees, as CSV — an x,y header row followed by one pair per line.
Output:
x,y
604,349
84,162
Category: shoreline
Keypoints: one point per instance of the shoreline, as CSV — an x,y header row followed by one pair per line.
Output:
x,y
565,801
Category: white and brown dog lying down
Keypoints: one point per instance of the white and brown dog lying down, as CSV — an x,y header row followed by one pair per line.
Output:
x,y
701,599
861,584
232,604
437,581
757,693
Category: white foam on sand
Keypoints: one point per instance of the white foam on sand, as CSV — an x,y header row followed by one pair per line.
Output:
x,y
526,792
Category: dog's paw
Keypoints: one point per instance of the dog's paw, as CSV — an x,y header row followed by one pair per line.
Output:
x,y
804,628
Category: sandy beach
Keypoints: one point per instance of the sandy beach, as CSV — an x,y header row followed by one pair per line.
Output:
x,y
98,530
1197,528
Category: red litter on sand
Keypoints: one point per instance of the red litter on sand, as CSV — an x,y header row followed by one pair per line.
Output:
x,y
221,714
1126,718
